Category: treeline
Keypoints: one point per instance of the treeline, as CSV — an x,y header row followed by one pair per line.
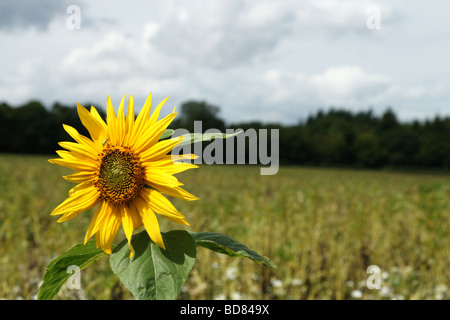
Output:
x,y
339,137
328,138
343,138
32,128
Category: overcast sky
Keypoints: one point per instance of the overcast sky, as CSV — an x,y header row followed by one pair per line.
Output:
x,y
261,60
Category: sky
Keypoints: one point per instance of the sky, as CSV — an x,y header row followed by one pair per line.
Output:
x,y
258,60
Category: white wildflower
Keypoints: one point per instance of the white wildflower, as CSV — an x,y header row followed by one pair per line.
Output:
x,y
276,283
356,294
385,291
231,273
236,296
220,296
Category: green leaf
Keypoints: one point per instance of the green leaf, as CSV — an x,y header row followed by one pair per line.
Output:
x,y
56,274
167,134
197,137
225,244
154,273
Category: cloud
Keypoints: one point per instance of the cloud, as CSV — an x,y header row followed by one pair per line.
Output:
x,y
22,14
264,60
339,18
348,85
34,78
235,32
121,63
111,58
221,34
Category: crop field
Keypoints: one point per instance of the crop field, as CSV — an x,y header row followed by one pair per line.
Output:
x,y
322,228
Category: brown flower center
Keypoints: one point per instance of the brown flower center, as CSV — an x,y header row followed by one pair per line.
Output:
x,y
120,175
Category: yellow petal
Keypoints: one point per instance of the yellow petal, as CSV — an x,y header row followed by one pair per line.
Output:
x,y
135,217
141,120
129,122
161,205
108,229
172,158
127,224
172,168
74,163
72,214
81,139
152,135
97,128
80,177
100,120
81,187
96,222
79,150
120,123
68,216
176,192
159,149
111,120
150,221
155,114
161,178
77,201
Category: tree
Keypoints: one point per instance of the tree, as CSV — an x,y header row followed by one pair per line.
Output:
x,y
199,111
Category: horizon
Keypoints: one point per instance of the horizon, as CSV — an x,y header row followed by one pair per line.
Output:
x,y
300,121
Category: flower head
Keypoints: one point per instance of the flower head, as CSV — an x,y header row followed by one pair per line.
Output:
x,y
125,170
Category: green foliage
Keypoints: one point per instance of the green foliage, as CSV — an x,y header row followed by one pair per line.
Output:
x,y
167,134
57,271
224,244
199,111
154,273
198,137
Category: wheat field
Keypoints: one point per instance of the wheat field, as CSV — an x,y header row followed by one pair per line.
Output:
x,y
322,227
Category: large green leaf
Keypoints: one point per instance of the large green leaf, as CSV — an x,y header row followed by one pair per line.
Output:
x,y
153,273
56,274
225,244
197,137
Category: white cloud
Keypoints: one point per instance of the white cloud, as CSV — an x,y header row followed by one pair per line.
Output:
x,y
341,17
348,85
232,33
110,58
258,60
342,85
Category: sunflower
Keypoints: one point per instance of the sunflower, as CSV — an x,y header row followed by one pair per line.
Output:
x,y
124,169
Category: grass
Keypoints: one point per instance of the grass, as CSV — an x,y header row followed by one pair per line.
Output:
x,y
322,227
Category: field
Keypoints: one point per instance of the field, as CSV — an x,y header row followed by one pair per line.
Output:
x,y
321,227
